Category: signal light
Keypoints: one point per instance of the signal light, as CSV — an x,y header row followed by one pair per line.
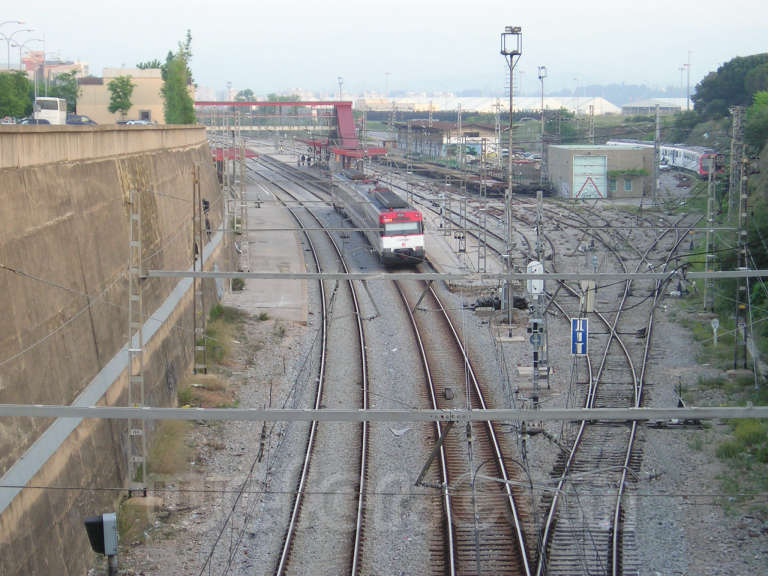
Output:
x,y
102,532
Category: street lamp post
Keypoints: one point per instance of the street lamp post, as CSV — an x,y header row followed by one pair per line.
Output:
x,y
8,43
21,51
542,171
688,83
511,49
682,69
21,48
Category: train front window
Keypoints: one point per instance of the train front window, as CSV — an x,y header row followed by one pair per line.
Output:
x,y
402,228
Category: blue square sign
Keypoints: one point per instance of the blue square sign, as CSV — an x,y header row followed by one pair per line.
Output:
x,y
579,336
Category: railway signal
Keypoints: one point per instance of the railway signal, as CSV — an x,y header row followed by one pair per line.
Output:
x,y
103,535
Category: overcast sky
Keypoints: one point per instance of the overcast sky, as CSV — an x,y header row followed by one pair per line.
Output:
x,y
425,45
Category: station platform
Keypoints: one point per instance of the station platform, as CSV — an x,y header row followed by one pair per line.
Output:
x,y
272,251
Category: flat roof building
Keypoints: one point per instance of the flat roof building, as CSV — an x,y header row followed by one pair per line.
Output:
x,y
439,139
647,107
590,171
146,100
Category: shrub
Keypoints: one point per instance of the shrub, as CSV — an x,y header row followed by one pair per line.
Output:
x,y
728,449
750,432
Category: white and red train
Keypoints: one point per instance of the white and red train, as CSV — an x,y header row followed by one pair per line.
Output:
x,y
691,158
394,229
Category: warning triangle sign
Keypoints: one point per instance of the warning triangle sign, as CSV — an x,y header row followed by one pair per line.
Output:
x,y
591,189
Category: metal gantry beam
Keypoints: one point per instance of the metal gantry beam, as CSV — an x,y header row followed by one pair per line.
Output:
x,y
352,415
477,277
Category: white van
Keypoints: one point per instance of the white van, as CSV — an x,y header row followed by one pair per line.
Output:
x,y
52,109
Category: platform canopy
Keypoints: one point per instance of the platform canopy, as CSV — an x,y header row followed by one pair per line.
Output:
x,y
220,154
359,152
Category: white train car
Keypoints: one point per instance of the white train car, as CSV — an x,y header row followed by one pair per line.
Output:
x,y
690,158
394,229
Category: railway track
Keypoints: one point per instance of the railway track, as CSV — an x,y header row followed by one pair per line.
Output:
x,y
484,533
587,528
485,529
596,535
352,540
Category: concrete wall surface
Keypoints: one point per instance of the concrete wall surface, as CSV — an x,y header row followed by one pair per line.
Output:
x,y
63,270
23,146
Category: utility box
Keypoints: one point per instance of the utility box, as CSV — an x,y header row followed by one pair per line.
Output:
x,y
535,286
102,533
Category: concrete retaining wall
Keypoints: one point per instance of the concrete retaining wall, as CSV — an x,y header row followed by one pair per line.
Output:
x,y
64,253
24,146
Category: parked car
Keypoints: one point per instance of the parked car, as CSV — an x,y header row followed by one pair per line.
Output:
x,y
33,121
139,123
8,120
79,120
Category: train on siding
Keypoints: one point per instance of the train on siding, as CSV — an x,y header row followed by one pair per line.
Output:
x,y
694,159
394,229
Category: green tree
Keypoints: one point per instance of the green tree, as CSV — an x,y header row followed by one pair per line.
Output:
x,y
65,86
245,95
734,83
15,91
150,65
756,79
287,98
179,107
121,89
756,126
682,126
561,124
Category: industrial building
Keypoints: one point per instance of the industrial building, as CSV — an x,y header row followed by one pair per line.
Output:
x,y
146,100
667,106
487,105
588,171
439,139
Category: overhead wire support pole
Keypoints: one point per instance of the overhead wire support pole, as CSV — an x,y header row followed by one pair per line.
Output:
x,y
734,179
656,145
137,437
198,295
740,348
543,169
482,249
511,49
709,297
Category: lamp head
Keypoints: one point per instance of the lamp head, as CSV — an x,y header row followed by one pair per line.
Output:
x,y
512,41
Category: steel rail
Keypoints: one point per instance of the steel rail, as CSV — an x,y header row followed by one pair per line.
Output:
x,y
592,392
450,534
637,403
589,403
362,486
520,539
313,426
